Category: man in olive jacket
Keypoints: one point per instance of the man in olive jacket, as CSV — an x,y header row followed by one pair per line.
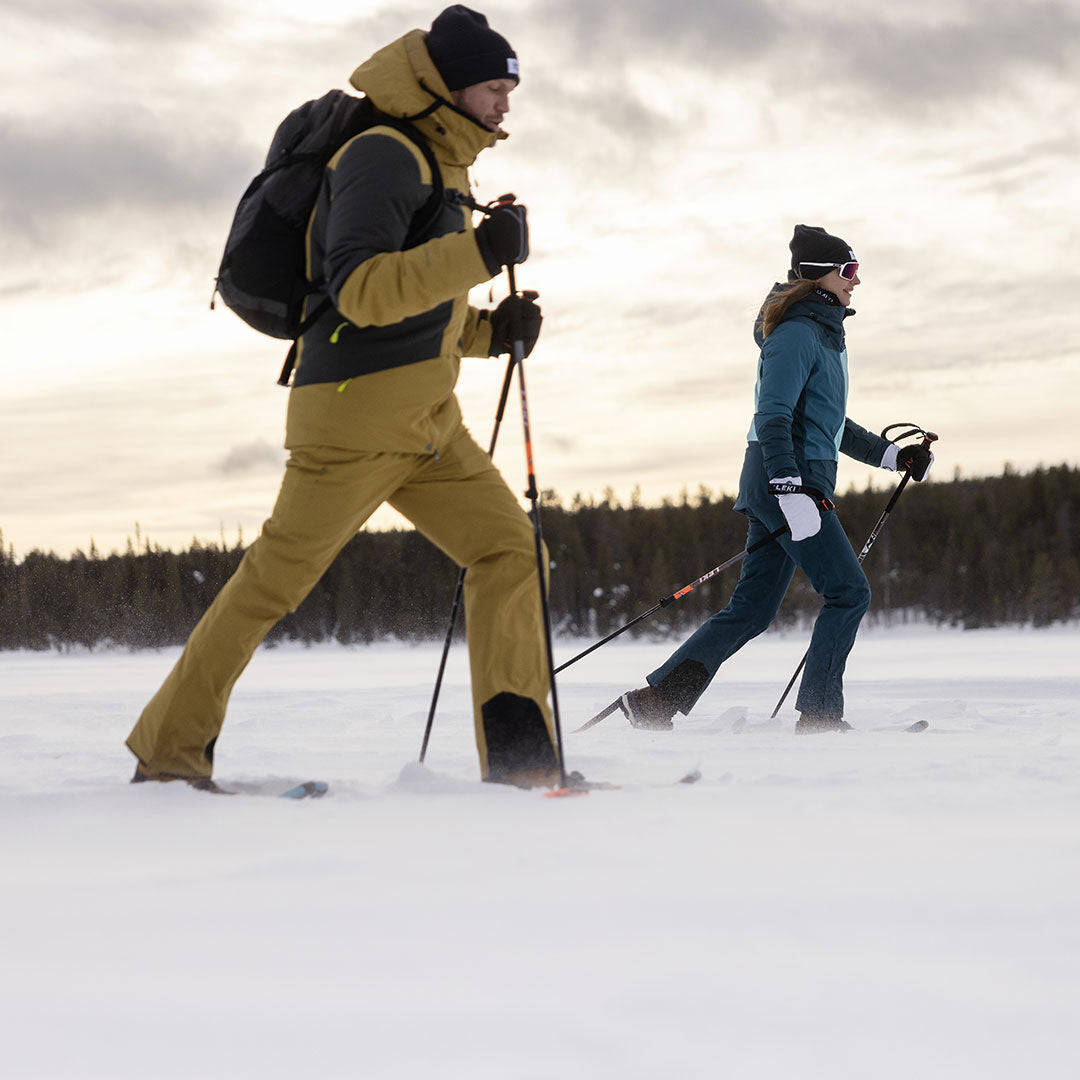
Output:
x,y
372,415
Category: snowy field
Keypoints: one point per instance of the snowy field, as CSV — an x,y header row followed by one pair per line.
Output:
x,y
873,905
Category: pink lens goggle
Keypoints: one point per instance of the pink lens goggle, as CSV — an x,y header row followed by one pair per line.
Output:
x,y
847,270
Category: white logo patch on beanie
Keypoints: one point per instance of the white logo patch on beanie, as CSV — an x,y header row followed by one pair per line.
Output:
x,y
511,65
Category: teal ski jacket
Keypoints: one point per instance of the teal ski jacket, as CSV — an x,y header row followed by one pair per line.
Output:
x,y
800,423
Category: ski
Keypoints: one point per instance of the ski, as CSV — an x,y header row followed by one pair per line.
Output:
x,y
598,717
578,785
310,789
919,725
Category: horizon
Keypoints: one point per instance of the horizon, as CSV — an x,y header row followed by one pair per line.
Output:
x,y
140,542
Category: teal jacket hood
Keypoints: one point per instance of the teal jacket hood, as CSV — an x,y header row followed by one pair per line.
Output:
x,y
814,307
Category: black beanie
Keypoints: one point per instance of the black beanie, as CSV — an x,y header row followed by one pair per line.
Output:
x,y
812,244
467,51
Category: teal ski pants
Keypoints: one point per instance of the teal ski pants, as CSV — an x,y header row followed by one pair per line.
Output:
x,y
832,568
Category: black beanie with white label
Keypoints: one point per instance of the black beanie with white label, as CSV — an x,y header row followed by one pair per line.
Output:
x,y
467,51
811,245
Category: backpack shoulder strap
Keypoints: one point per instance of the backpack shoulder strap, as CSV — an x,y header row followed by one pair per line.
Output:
x,y
422,221
426,216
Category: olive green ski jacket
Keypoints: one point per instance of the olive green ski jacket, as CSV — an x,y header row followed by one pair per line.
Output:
x,y
377,371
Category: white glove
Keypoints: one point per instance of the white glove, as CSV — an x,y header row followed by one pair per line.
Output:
x,y
800,511
889,460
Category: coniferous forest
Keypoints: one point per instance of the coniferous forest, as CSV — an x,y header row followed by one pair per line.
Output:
x,y
972,553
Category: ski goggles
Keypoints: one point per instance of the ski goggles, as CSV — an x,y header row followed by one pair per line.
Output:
x,y
847,270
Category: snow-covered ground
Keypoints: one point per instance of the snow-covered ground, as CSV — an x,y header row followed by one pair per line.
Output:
x,y
870,905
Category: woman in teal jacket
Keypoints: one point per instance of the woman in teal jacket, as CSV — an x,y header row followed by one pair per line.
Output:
x,y
800,426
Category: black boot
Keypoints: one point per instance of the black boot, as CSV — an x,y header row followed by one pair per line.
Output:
x,y
519,748
143,775
809,724
652,707
647,708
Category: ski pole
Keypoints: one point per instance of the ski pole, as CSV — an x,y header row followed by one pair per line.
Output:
x,y
676,596
459,591
928,437
533,495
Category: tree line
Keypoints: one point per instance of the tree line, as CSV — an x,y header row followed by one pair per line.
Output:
x,y
986,552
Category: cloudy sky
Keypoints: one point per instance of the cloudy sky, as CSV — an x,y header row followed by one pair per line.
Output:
x,y
664,149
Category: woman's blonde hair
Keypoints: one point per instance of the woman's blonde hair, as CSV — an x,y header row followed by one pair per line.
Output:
x,y
772,311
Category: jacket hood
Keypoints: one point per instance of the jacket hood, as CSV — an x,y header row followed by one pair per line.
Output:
x,y
759,337
402,81
829,316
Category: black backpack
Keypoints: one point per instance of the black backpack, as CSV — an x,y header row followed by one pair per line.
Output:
x,y
262,276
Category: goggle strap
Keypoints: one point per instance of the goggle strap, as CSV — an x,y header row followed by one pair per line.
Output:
x,y
838,266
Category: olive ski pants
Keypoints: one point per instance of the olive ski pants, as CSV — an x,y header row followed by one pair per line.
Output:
x,y
461,503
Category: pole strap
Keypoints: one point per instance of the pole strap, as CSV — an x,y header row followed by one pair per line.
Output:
x,y
786,487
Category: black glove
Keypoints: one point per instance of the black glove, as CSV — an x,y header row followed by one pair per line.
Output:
x,y
916,459
503,328
503,236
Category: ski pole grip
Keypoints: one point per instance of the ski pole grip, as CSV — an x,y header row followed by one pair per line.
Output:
x,y
915,471
928,438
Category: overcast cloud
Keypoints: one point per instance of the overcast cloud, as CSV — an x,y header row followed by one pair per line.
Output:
x,y
665,150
